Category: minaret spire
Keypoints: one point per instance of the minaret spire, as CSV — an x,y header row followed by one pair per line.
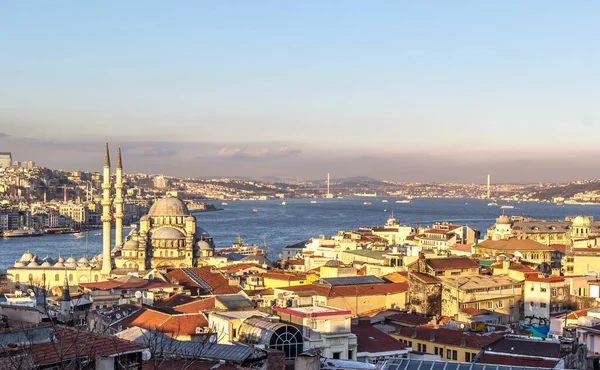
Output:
x,y
106,218
119,201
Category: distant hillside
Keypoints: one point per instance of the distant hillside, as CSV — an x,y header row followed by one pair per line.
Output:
x,y
567,190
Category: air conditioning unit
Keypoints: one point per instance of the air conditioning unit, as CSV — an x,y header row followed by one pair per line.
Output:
x,y
199,330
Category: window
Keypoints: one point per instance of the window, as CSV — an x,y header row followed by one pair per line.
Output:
x,y
543,305
511,302
454,355
350,353
501,303
70,277
57,277
410,343
234,333
478,305
467,357
553,292
424,347
435,351
490,304
336,355
419,347
448,354
543,290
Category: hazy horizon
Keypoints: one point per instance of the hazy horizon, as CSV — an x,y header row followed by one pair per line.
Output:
x,y
436,91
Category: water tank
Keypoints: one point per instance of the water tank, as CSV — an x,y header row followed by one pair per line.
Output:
x,y
588,321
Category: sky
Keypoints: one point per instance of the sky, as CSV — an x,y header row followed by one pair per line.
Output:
x,y
396,90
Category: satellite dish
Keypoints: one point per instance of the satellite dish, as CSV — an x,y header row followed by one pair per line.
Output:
x,y
146,355
31,293
212,339
462,326
138,294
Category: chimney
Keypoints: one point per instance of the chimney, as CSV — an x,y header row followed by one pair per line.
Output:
x,y
414,334
463,341
432,339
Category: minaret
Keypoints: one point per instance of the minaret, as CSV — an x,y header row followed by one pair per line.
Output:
x,y
488,186
119,201
106,263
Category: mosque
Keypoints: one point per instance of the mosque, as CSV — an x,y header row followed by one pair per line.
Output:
x,y
168,237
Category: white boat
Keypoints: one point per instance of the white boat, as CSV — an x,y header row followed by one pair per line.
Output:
x,y
22,233
283,203
384,201
506,206
403,201
367,203
492,204
313,201
224,204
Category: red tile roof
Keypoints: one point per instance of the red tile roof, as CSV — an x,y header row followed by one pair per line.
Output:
x,y
136,283
197,306
373,340
351,290
427,279
409,318
473,311
71,343
450,263
175,300
508,360
514,244
551,279
561,248
172,325
461,248
218,283
282,276
448,336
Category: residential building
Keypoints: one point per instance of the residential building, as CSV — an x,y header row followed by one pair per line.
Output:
x,y
526,249
323,327
545,297
5,159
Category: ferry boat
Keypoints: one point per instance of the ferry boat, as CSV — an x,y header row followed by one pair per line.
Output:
x,y
22,233
367,203
313,201
384,201
506,206
283,203
492,204
241,248
403,201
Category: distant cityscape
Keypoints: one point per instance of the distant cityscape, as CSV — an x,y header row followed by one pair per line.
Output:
x,y
37,197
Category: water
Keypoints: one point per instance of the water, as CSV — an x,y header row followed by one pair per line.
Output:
x,y
299,220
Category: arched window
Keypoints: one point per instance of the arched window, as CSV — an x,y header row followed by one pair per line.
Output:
x,y
70,277
96,277
171,254
17,277
30,277
57,277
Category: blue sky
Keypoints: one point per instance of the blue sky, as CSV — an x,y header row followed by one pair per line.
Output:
x,y
433,91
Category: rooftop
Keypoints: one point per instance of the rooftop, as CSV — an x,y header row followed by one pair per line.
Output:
x,y
373,340
514,244
478,282
450,263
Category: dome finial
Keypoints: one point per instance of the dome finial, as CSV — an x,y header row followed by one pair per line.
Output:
x,y
106,155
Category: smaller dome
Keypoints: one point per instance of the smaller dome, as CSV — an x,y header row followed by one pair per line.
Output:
x,y
59,264
19,264
333,263
26,257
131,245
168,206
503,220
71,260
167,233
204,246
33,264
582,221
99,257
83,260
46,264
71,264
60,259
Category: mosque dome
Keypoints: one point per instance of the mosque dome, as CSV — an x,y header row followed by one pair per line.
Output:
x,y
582,221
19,264
503,220
33,264
167,233
46,264
71,264
168,206
204,246
59,264
71,260
26,257
83,260
60,259
131,245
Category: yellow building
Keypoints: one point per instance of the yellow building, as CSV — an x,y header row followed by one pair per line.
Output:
x,y
450,344
527,249
280,279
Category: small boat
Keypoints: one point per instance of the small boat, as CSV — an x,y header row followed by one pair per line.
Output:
x,y
385,210
283,203
98,234
506,206
492,204
367,203
254,210
313,201
403,201
384,201
224,204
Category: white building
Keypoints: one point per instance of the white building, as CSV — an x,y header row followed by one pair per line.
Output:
x,y
323,327
545,297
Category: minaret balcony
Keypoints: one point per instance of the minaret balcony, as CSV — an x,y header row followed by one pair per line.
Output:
x,y
118,215
106,186
105,202
118,186
105,218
